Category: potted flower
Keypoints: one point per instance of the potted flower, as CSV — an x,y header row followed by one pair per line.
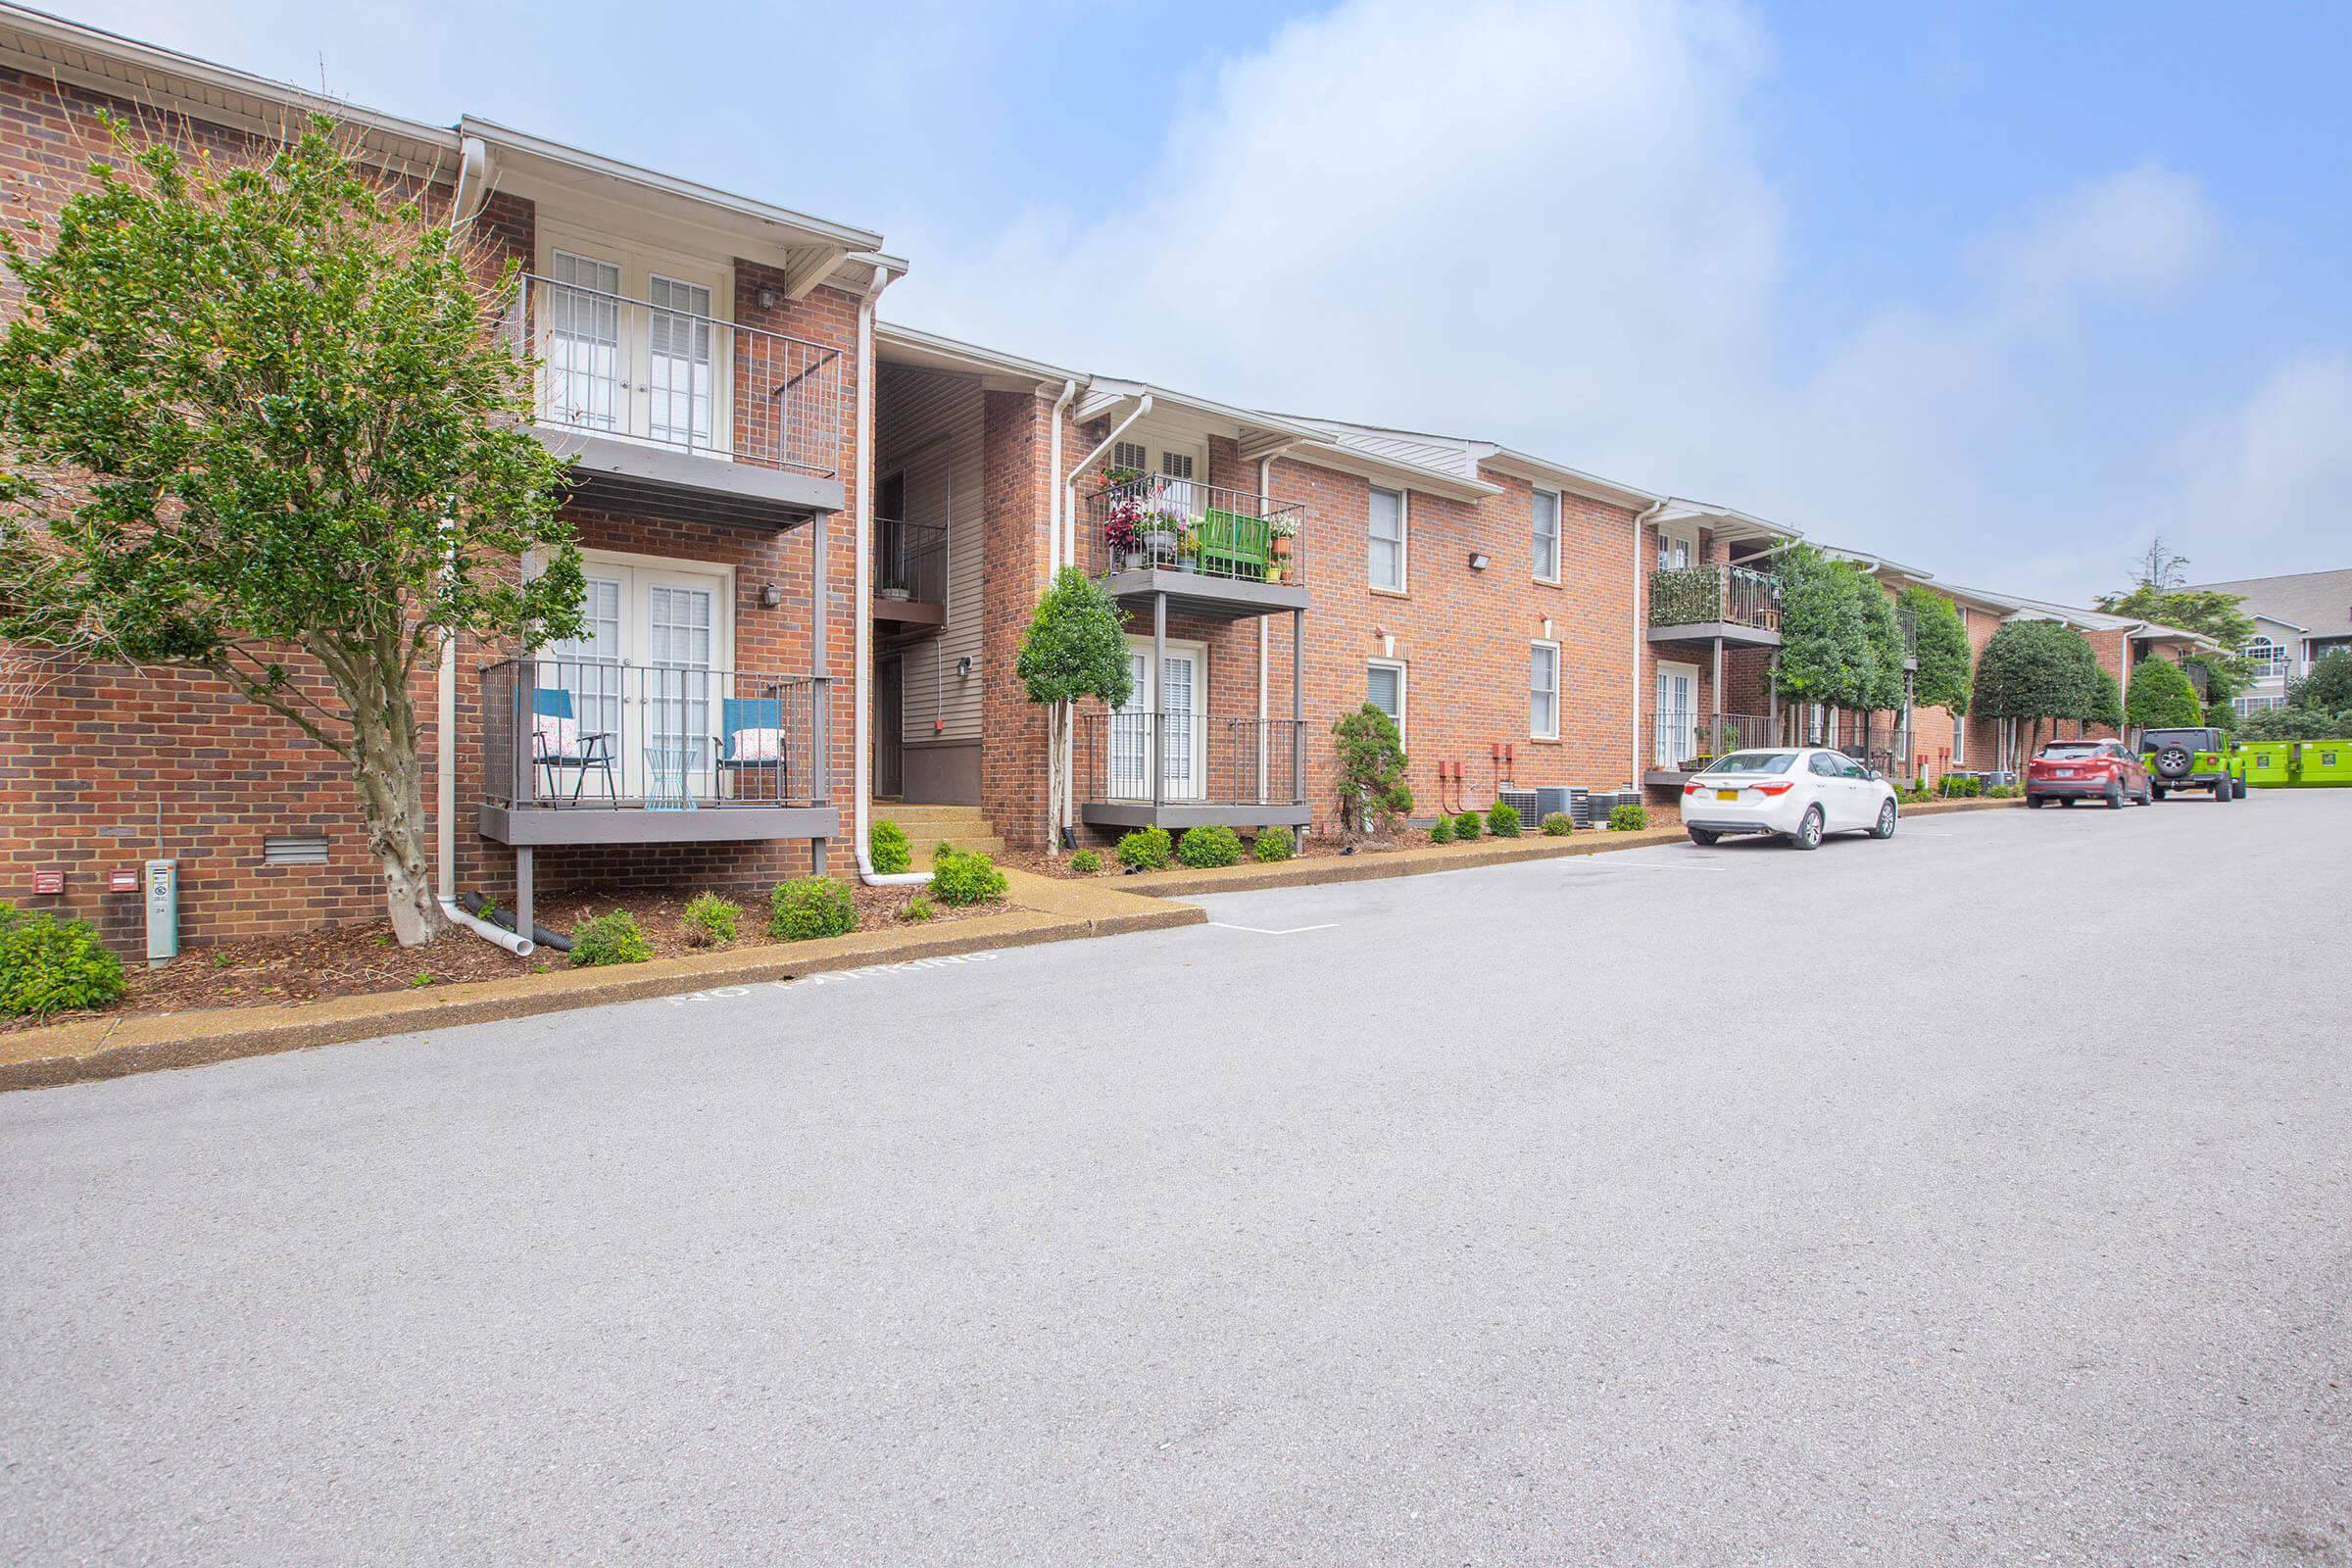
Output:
x,y
1188,551
1167,523
1280,531
1119,532
892,588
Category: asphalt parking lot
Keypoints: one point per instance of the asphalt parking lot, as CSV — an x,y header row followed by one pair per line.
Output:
x,y
1979,1196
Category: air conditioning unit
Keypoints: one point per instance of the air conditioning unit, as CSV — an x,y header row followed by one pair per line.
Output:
x,y
1521,801
1563,798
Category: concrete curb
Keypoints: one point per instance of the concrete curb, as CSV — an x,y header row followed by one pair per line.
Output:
x,y
115,1048
1249,878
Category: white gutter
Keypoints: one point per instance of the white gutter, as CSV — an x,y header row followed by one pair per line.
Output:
x,y
863,631
473,160
521,947
1054,511
1640,642
1069,499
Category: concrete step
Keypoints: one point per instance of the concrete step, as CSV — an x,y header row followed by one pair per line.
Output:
x,y
927,825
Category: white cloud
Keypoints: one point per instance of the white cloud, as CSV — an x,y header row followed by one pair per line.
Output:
x,y
2140,236
2276,469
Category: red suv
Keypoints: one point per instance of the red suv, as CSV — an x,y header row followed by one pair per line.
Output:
x,y
2067,772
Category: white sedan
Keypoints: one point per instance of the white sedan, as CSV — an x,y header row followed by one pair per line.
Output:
x,y
1800,792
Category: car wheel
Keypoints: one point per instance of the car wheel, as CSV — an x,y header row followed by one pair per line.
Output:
x,y
2036,802
1886,825
2114,795
1809,831
2147,796
2239,790
2221,792
1704,835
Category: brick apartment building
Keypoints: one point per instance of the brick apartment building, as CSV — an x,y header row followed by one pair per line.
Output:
x,y
796,519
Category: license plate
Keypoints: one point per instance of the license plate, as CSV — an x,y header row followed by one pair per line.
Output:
x,y
2063,772
1727,795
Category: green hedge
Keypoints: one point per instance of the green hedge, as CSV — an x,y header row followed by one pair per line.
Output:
x,y
614,938
49,965
1274,844
1146,848
810,907
1467,825
891,852
1502,820
1627,818
1558,824
966,879
1205,847
1442,830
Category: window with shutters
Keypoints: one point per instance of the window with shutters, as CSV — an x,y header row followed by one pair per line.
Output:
x,y
1131,455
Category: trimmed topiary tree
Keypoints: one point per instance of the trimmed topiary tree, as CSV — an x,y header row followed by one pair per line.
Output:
x,y
1946,671
1502,820
1442,830
2033,670
1075,648
1468,825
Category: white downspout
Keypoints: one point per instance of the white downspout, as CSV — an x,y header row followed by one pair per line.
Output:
x,y
1060,811
1055,519
1640,643
472,168
862,634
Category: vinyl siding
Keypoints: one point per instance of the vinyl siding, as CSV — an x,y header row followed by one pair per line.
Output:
x,y
930,428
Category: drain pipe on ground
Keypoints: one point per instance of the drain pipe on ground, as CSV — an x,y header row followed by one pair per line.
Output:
x,y
863,636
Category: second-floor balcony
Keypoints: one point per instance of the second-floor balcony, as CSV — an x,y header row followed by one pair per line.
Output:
x,y
675,411
1715,600
910,572
1212,550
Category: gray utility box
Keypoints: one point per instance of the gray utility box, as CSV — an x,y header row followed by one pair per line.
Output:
x,y
162,900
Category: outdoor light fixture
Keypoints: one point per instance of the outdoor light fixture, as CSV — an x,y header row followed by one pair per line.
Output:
x,y
963,668
767,299
1478,560
771,596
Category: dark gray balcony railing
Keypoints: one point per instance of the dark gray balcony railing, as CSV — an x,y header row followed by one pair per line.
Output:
x,y
910,561
565,732
1203,760
1717,592
1184,525
671,375
1684,736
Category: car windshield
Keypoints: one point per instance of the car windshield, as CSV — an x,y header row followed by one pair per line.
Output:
x,y
2073,748
1752,763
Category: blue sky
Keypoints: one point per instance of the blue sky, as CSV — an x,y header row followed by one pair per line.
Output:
x,y
1993,289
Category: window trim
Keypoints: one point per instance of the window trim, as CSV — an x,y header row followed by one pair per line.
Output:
x,y
1404,540
1405,690
1560,551
1533,645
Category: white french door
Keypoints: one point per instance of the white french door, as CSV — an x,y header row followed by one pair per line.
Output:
x,y
1182,686
649,672
636,346
1677,716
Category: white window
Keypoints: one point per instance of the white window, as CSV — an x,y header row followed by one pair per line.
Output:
x,y
1388,540
1384,689
1544,691
633,342
1959,735
1676,549
650,668
1547,536
2267,658
1132,455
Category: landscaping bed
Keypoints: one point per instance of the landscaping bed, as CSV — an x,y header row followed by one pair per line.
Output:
x,y
364,960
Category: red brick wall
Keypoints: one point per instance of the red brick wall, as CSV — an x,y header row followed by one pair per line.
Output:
x,y
112,765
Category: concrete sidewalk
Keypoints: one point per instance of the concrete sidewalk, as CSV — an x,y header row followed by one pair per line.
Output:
x,y
1046,909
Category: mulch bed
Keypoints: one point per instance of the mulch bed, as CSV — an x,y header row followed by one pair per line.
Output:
x,y
1310,849
359,961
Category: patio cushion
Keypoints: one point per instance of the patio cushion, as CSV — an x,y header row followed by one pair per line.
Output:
x,y
756,746
554,736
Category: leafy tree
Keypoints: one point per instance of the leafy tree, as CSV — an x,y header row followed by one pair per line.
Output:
x,y
2032,670
2198,609
1841,643
2106,702
2162,697
255,410
1076,647
1947,663
1372,784
2328,686
2296,725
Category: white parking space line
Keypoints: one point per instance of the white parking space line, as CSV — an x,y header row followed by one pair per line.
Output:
x,y
1261,931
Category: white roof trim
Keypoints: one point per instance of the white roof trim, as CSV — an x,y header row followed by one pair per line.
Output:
x,y
1540,471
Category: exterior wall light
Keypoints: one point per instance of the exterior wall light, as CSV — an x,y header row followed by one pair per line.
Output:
x,y
1478,560
771,596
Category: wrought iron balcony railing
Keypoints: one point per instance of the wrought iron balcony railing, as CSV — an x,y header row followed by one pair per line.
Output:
x,y
668,372
1204,760
1184,525
564,732
1685,737
1714,593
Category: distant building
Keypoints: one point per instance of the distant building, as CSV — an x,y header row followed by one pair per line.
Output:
x,y
2298,619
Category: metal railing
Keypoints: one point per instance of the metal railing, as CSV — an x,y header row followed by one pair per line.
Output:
x,y
1204,760
1686,737
670,373
566,732
910,561
1908,623
1184,525
1717,592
